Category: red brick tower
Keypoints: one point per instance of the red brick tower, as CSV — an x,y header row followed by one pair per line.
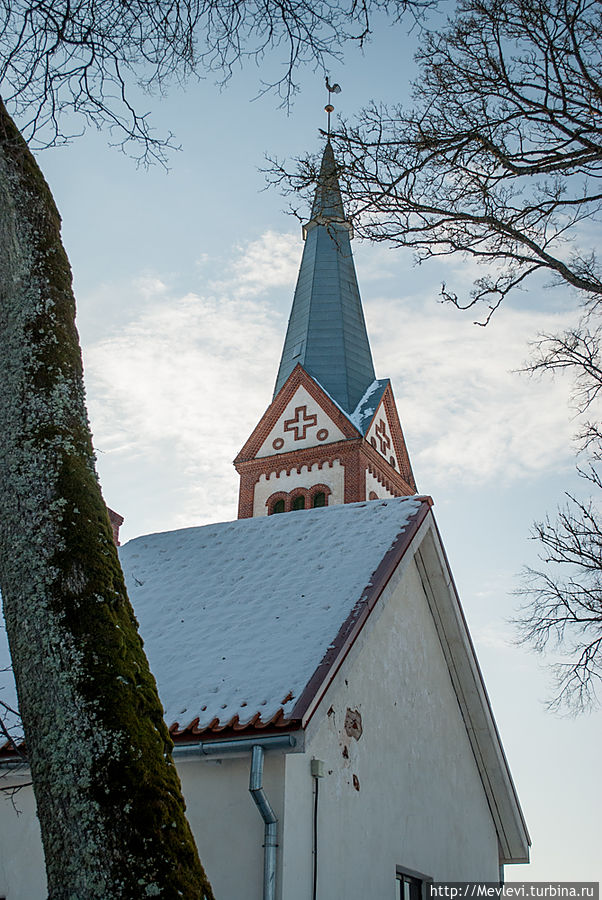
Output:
x,y
332,433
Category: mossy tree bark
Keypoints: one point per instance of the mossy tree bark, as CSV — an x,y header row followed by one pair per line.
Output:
x,y
108,795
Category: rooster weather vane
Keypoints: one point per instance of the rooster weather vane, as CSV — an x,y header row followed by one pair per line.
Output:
x,y
329,108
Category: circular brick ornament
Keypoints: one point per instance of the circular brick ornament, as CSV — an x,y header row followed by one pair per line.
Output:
x,y
278,443
322,434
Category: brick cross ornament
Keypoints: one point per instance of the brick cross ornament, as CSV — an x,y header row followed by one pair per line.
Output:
x,y
301,423
383,437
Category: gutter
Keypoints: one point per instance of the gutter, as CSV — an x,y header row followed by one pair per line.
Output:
x,y
12,763
257,746
200,748
240,745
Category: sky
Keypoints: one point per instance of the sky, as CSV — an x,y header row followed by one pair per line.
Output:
x,y
184,281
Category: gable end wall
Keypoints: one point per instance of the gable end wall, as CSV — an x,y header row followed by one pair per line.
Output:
x,y
420,803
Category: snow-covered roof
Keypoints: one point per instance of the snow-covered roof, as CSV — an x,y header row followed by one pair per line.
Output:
x,y
237,617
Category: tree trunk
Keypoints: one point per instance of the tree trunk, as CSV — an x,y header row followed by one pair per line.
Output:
x,y
108,795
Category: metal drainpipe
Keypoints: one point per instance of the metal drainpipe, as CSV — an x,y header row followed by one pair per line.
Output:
x,y
257,747
271,823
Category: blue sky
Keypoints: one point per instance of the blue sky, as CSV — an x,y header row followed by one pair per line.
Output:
x,y
184,280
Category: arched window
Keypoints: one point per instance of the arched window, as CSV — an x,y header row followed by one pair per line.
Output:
x,y
298,498
276,503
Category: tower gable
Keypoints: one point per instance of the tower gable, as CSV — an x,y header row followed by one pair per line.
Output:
x,y
301,415
304,423
379,435
305,451
384,434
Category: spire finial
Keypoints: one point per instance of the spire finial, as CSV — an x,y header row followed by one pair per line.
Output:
x,y
329,108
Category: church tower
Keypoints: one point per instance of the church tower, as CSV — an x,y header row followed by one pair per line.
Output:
x,y
331,433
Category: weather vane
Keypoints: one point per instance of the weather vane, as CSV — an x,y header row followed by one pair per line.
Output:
x,y
329,108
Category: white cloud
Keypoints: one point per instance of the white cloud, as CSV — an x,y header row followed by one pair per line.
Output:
x,y
377,261
149,287
176,392
466,413
270,261
497,635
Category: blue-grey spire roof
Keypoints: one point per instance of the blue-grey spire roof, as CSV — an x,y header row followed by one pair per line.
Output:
x,y
326,330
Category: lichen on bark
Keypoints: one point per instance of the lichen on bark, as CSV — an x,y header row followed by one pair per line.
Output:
x,y
109,801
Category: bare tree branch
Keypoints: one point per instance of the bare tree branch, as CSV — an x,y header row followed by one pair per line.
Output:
x,y
563,602
85,58
500,157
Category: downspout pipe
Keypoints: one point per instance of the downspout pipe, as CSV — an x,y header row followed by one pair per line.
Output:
x,y
271,823
257,746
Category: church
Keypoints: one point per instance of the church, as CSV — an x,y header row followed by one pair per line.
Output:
x,y
331,725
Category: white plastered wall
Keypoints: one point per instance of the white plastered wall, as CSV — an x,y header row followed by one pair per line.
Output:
x,y
22,873
331,474
373,484
420,804
226,824
315,426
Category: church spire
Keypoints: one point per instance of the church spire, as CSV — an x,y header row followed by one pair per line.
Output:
x,y
331,433
328,204
326,330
